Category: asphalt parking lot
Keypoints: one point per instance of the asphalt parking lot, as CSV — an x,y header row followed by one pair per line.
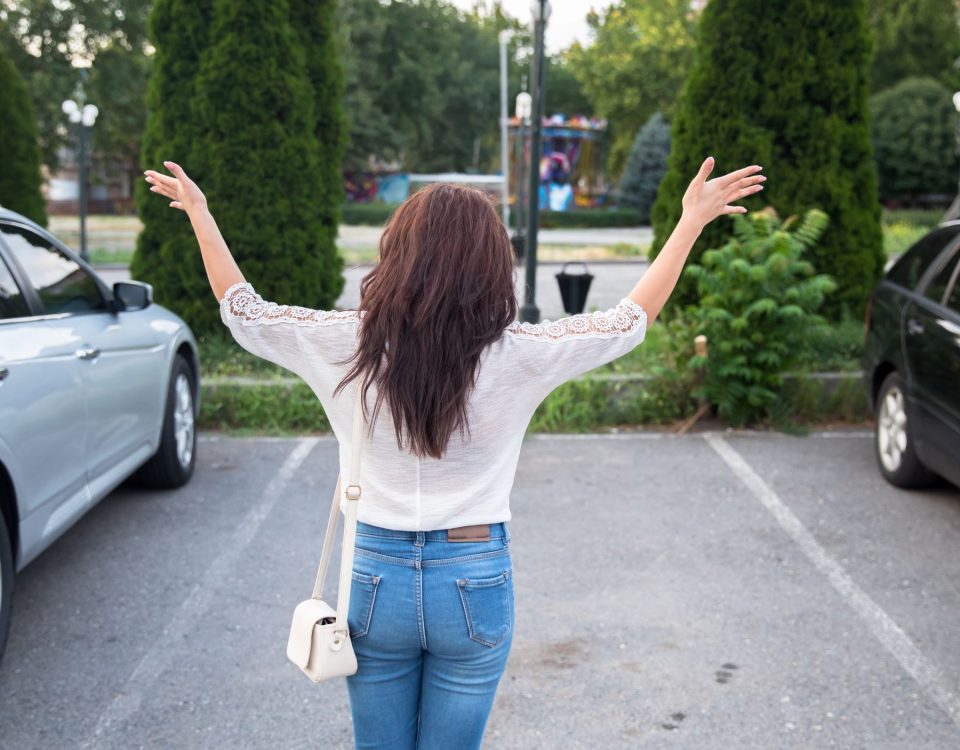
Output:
x,y
718,590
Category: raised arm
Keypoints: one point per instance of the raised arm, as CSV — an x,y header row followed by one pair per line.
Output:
x,y
702,203
222,270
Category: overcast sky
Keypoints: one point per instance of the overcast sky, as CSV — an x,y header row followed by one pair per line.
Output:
x,y
568,18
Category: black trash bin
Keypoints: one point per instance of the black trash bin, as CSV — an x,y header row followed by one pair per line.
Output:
x,y
574,287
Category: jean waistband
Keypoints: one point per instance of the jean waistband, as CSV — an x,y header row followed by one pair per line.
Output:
x,y
497,531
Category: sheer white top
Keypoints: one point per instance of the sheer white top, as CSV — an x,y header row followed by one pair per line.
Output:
x,y
471,484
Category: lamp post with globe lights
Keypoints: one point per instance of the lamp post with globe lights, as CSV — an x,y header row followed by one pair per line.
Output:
x,y
84,119
529,312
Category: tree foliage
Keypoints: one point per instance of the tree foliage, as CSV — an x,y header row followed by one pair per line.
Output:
x,y
636,65
422,82
166,255
788,91
914,38
54,43
913,128
20,175
244,122
646,166
758,303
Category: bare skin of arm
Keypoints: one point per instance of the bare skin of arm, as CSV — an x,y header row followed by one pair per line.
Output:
x,y
222,270
702,203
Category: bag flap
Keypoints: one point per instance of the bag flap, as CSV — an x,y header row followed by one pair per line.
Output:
x,y
307,614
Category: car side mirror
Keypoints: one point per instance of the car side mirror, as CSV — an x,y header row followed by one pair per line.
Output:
x,y
132,295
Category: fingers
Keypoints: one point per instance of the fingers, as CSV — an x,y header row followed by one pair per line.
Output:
x,y
164,191
734,210
729,179
160,179
176,169
739,193
705,169
177,204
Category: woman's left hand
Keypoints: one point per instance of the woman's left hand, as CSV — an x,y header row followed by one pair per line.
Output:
x,y
182,191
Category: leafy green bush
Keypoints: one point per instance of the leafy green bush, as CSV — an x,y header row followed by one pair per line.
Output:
x,y
758,299
912,128
646,165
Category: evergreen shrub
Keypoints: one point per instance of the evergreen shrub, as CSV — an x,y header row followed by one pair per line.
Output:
x,y
758,302
646,165
913,128
20,174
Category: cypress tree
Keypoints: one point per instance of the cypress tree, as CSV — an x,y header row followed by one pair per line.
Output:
x,y
261,155
20,175
167,255
787,90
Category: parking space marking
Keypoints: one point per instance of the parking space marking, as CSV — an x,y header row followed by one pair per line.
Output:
x,y
162,654
890,635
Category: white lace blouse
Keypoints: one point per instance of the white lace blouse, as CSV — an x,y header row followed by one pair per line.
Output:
x,y
471,484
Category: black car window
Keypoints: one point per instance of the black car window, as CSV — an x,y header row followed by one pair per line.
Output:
x,y
12,303
911,266
938,284
63,286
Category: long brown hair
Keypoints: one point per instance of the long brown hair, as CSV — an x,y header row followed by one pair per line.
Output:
x,y
442,291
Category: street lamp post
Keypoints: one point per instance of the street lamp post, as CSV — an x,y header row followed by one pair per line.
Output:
x,y
529,313
84,120
523,106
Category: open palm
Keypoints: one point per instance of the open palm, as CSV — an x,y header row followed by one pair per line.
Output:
x,y
182,191
706,200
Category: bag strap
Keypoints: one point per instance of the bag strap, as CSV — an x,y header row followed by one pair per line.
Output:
x,y
352,494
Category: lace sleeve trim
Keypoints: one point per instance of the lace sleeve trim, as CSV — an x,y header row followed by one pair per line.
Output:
x,y
241,302
625,318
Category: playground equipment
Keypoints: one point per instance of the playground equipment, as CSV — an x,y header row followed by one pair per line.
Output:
x,y
571,165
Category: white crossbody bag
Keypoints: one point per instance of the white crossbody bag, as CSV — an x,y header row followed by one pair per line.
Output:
x,y
319,641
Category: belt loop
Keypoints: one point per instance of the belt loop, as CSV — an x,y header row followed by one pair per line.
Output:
x,y
506,533
420,539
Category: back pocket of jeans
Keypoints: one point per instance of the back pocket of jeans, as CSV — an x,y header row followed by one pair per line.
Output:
x,y
363,594
486,606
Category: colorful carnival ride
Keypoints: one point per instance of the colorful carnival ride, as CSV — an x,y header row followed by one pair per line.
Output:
x,y
571,162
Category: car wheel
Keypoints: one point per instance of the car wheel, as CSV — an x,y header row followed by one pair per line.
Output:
x,y
6,584
172,465
894,441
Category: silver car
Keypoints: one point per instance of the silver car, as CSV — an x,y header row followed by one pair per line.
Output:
x,y
96,384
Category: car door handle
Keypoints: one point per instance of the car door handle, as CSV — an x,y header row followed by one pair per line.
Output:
x,y
88,352
3,373
914,326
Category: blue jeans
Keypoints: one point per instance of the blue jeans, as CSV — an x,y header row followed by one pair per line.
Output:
x,y
431,623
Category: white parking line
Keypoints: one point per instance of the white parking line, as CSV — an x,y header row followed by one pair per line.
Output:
x,y
890,635
162,654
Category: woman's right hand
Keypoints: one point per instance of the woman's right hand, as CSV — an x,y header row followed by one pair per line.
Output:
x,y
181,189
706,200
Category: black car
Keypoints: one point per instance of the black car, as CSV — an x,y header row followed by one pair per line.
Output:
x,y
911,362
